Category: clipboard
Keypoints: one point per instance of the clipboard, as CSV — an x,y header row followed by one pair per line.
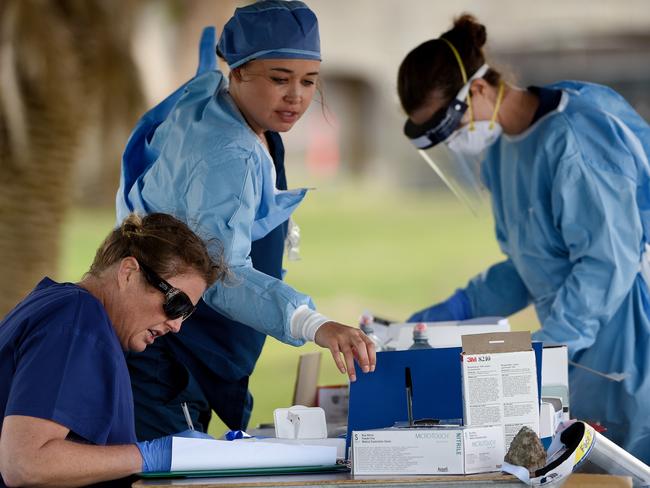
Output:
x,y
223,473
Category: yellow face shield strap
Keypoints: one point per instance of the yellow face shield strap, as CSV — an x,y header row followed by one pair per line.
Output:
x,y
497,104
463,73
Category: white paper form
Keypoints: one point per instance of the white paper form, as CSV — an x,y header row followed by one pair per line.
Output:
x,y
205,454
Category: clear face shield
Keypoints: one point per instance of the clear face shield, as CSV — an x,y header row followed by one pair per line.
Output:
x,y
455,153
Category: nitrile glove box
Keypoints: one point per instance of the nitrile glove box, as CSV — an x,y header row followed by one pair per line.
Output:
x,y
427,451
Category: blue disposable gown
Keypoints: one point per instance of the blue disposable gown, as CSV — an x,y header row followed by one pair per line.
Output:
x,y
570,198
211,171
194,156
208,363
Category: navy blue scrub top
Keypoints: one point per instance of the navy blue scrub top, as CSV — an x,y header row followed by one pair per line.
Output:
x,y
61,360
549,99
208,363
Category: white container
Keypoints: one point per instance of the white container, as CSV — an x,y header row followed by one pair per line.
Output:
x,y
300,422
427,451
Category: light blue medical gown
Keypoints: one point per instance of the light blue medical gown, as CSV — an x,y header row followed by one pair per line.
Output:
x,y
571,203
210,170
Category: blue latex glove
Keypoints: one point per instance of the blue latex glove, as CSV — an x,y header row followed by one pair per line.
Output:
x,y
233,435
157,453
456,307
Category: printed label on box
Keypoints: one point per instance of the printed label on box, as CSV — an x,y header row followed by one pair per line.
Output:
x,y
428,451
407,452
501,388
484,450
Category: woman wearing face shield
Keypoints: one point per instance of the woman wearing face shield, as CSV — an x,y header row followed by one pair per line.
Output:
x,y
212,155
566,167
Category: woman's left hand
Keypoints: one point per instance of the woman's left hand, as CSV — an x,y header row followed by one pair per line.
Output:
x,y
347,343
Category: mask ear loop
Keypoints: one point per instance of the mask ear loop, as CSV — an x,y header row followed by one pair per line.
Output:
x,y
463,73
497,105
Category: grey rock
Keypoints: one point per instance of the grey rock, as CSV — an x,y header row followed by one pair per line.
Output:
x,y
526,450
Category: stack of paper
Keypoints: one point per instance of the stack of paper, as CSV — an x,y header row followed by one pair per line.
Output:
x,y
207,454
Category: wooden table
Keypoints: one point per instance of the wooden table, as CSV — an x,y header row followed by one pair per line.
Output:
x,y
333,480
346,480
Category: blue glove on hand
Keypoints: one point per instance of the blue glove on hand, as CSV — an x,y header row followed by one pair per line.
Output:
x,y
157,453
456,307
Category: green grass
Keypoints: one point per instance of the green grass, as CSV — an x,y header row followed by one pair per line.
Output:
x,y
362,248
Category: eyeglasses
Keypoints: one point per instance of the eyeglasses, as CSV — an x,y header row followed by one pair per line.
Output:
x,y
177,303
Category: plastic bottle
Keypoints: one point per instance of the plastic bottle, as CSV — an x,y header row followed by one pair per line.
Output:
x,y
420,337
365,324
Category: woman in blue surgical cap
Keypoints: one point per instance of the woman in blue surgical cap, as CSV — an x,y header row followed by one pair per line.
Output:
x,y
567,169
211,154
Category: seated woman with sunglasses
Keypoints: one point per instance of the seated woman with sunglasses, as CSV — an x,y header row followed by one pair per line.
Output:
x,y
65,391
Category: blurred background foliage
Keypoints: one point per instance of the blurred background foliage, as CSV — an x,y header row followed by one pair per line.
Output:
x,y
380,232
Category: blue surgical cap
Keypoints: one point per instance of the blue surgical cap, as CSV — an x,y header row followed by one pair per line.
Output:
x,y
270,29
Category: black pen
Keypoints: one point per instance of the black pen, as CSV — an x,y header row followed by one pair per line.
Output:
x,y
382,321
409,394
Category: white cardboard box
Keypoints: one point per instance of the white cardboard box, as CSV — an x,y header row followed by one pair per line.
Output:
x,y
500,382
427,451
334,399
555,375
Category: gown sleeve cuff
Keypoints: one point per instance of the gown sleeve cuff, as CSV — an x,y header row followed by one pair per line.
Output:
x,y
305,322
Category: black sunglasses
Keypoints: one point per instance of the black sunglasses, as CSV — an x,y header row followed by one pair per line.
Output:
x,y
177,303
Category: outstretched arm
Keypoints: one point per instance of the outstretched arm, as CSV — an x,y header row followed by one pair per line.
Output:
x,y
222,200
498,291
35,452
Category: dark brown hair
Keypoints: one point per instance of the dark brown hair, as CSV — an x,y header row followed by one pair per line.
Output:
x,y
431,69
164,244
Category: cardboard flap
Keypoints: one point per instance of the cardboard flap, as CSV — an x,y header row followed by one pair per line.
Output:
x,y
304,392
496,342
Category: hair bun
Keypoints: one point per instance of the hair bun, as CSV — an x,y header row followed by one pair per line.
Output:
x,y
467,26
132,226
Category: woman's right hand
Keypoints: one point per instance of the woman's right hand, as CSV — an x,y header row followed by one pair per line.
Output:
x,y
347,343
